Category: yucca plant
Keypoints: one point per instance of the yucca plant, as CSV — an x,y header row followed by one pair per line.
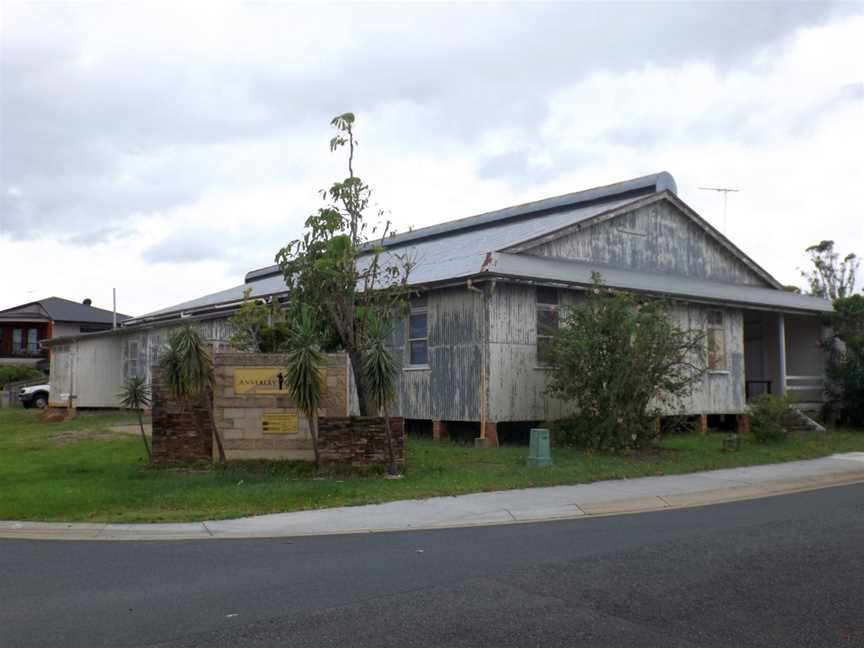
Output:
x,y
135,395
379,371
187,370
304,363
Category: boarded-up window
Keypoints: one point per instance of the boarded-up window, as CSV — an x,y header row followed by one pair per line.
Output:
x,y
418,326
547,323
716,342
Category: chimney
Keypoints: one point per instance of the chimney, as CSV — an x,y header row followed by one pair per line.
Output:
x,y
88,302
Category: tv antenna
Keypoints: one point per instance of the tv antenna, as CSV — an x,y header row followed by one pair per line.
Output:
x,y
725,191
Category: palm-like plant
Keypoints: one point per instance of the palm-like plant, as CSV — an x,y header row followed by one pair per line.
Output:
x,y
187,370
379,371
304,362
135,395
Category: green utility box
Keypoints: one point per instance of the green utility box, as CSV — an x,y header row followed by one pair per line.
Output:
x,y
539,452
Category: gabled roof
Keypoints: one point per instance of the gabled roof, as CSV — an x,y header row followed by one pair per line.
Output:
x,y
566,205
58,309
457,248
461,249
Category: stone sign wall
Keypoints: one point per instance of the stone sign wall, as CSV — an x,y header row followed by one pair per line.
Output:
x,y
254,414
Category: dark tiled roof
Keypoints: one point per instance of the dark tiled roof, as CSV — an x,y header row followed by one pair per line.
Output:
x,y
65,310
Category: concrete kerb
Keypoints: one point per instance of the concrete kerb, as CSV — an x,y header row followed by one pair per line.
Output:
x,y
525,506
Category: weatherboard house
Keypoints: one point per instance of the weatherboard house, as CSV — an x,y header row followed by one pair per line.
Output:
x,y
487,290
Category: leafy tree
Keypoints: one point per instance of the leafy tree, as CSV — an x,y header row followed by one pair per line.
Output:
x,y
338,271
304,366
379,370
617,357
259,327
187,370
845,365
135,395
831,277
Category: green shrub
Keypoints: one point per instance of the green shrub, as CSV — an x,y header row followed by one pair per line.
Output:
x,y
620,358
771,418
14,373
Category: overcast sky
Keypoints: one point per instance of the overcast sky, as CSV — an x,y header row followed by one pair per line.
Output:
x,y
166,149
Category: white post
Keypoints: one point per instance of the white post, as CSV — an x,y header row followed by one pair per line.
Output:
x,y
781,335
114,290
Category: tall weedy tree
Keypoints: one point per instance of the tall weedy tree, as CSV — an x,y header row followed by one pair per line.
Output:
x,y
187,370
831,277
617,357
339,268
135,395
379,370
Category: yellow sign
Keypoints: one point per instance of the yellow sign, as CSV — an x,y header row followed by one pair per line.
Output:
x,y
260,380
279,422
265,380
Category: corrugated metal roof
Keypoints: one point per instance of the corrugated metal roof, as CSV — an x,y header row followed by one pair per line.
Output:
x,y
461,254
626,190
261,288
458,249
619,191
525,266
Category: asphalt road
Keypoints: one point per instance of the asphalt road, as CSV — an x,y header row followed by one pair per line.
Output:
x,y
783,571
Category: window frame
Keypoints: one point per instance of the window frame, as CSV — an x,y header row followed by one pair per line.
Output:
x,y
132,368
713,332
545,307
417,307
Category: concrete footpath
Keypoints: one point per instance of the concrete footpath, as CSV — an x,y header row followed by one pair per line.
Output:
x,y
503,507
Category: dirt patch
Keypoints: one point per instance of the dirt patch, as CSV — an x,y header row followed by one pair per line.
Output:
x,y
70,437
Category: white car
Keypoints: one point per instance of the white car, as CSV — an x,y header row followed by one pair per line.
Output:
x,y
34,396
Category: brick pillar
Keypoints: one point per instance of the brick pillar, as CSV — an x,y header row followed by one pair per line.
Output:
x,y
703,424
743,422
439,430
490,438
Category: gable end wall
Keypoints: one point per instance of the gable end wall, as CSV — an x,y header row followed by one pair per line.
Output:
x,y
654,238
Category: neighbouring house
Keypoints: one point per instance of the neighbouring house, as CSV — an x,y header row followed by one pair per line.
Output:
x,y
486,294
24,328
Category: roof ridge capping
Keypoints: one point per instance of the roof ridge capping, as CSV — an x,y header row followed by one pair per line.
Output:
x,y
635,187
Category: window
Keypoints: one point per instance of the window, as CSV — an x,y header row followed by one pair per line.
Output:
x,y
132,358
32,341
418,325
716,341
547,323
155,346
17,341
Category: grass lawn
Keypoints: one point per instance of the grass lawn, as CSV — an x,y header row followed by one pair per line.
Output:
x,y
79,471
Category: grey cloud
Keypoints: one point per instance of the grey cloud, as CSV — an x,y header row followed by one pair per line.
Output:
x,y
515,167
191,245
811,115
97,236
92,142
